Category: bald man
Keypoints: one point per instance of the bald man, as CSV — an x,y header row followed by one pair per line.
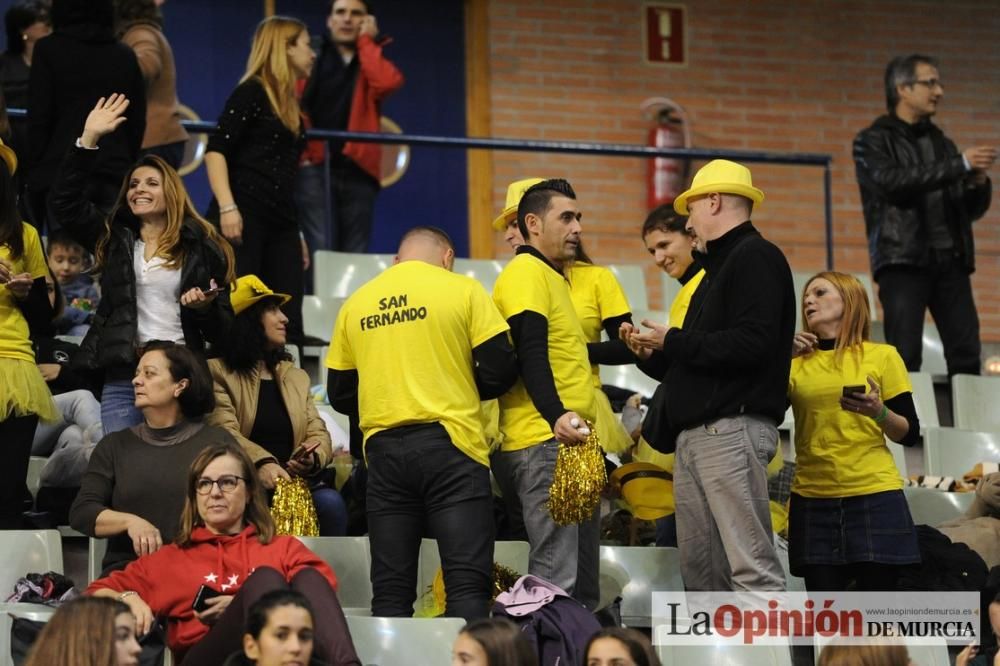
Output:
x,y
413,352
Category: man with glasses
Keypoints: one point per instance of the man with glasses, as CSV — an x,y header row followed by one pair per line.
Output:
x,y
920,196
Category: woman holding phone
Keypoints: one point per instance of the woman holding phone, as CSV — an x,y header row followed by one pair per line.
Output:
x,y
163,268
263,400
226,557
849,521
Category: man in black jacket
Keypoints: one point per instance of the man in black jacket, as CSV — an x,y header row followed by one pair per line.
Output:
x,y
725,377
920,197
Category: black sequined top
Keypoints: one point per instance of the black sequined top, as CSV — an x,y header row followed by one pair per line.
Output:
x,y
262,155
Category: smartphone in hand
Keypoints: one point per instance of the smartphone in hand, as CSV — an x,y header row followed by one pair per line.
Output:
x,y
303,451
201,599
859,388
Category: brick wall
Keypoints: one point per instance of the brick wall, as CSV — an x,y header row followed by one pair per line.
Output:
x,y
777,75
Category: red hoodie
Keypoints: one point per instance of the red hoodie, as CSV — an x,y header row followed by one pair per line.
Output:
x,y
168,580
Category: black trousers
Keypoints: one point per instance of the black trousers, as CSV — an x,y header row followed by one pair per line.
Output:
x,y
908,292
420,483
275,256
332,642
16,434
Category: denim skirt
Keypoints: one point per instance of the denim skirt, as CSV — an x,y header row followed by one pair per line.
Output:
x,y
835,531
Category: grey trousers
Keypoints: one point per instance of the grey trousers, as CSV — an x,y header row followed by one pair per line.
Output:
x,y
723,515
567,556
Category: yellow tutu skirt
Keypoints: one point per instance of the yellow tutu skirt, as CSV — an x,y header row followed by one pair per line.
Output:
x,y
23,391
611,432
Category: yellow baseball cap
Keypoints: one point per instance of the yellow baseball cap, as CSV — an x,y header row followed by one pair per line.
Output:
x,y
8,155
249,289
648,489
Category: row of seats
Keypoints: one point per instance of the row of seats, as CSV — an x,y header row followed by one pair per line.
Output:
x,y
637,571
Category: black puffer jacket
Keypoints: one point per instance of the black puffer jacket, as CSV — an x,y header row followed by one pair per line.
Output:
x,y
110,343
895,182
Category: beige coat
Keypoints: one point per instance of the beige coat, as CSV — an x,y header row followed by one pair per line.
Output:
x,y
156,60
236,408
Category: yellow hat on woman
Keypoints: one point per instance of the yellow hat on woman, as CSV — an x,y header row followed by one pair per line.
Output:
x,y
8,155
249,289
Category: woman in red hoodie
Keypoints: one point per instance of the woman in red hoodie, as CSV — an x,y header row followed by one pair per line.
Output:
x,y
226,556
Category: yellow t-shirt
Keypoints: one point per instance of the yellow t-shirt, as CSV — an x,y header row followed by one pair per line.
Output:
x,y
679,308
410,333
15,340
840,453
529,284
596,296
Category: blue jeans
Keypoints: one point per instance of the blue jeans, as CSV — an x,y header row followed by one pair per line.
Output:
x,y
723,510
312,191
566,556
331,511
420,484
352,199
118,410
80,411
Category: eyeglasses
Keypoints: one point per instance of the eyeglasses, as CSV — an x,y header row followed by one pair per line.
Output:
x,y
227,484
930,83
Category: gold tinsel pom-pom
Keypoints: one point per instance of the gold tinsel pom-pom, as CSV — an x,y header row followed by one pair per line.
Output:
x,y
433,602
292,508
578,480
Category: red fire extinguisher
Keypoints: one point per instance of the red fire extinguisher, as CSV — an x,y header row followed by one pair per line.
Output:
x,y
666,176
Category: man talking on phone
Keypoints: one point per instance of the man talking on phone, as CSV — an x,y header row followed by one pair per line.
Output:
x,y
412,354
349,82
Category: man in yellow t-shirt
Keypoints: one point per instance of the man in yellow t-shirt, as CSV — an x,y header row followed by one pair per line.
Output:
x,y
412,354
554,396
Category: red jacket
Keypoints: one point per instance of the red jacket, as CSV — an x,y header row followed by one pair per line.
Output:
x,y
377,79
168,580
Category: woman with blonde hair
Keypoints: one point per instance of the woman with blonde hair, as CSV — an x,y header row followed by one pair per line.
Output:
x,y
225,557
253,160
164,269
87,631
849,521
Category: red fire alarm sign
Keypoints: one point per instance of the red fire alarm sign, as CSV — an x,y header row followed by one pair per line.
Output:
x,y
665,33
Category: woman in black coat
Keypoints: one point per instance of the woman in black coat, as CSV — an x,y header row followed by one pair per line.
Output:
x,y
79,62
165,271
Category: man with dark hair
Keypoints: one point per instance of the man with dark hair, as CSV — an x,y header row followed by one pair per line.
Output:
x,y
413,352
350,81
920,196
554,397
724,379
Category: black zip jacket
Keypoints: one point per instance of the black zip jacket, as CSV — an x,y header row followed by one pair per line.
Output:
x,y
735,350
895,185
110,344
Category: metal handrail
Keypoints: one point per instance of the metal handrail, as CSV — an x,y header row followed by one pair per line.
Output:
x,y
573,147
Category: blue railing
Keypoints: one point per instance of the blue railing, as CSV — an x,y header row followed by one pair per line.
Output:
x,y
578,148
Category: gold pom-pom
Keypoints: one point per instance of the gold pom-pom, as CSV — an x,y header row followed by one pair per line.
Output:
x,y
578,480
434,600
503,579
292,508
